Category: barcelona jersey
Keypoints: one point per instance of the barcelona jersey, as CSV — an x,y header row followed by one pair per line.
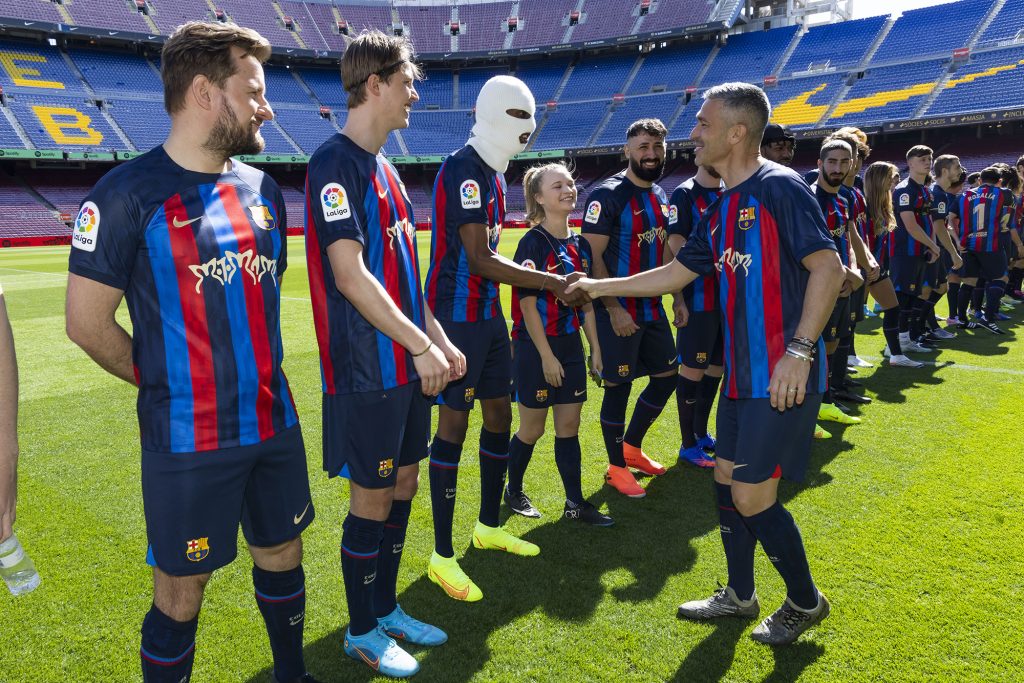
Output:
x,y
540,250
836,210
635,221
753,241
909,195
688,203
355,195
858,205
199,257
986,214
466,191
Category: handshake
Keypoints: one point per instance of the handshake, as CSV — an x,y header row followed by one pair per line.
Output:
x,y
565,292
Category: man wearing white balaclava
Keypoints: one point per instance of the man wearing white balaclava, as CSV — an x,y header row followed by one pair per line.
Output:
x,y
462,292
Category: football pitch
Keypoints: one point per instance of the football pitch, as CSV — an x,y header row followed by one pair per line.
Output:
x,y
911,520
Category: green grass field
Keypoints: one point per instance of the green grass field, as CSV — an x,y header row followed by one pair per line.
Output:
x,y
912,522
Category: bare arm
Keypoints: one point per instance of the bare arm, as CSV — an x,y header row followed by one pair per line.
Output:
x,y
364,292
552,368
944,238
860,250
598,243
456,359
8,425
590,330
90,323
917,232
668,278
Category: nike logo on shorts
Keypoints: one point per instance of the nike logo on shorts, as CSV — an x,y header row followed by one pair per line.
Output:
x,y
580,392
298,518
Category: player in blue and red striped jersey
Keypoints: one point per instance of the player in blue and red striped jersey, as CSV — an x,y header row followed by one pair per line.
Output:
x,y
549,367
778,277
947,171
983,218
699,328
194,242
912,246
626,224
383,357
462,291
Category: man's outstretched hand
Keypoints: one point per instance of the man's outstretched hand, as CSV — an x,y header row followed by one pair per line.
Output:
x,y
570,295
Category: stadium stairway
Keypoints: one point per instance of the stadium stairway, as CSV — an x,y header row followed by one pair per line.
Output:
x,y
16,125
851,79
707,65
790,49
936,91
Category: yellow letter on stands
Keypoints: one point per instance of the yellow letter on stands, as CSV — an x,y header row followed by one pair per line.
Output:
x,y
20,74
56,128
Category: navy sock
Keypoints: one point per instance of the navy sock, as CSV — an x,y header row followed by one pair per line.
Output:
x,y
963,300
978,296
906,308
738,542
391,545
780,538
686,401
168,648
993,294
519,455
853,339
705,400
569,459
931,320
493,465
444,476
953,298
613,421
1016,279
917,318
648,407
360,549
837,366
281,597
891,330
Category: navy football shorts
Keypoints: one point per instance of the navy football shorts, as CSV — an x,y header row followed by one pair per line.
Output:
x,y
990,265
699,343
935,274
488,362
195,501
648,351
907,273
857,300
532,390
763,443
369,435
838,325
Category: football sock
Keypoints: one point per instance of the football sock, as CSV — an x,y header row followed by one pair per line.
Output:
x,y
891,330
168,647
360,548
963,300
738,542
613,421
281,597
837,364
933,298
493,465
780,538
686,402
568,459
906,307
978,295
993,294
953,298
648,407
444,475
391,545
519,455
705,400
917,318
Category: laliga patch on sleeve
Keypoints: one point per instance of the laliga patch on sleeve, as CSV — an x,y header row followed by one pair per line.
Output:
x,y
942,207
904,199
673,214
593,212
334,202
528,263
87,227
469,194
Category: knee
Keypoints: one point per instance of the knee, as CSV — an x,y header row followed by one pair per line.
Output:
x,y
750,500
498,416
530,434
408,482
179,597
452,425
567,426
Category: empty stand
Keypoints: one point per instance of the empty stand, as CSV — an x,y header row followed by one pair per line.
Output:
x,y
144,122
599,77
305,126
543,76
931,31
37,10
8,136
326,85
542,22
888,93
803,101
670,69
666,14
319,19
64,123
603,19
115,14
989,81
571,125
366,16
651,106
429,27
840,45
283,88
1006,24
437,132
436,89
749,56
25,216
471,80
169,14
117,73
485,26
36,68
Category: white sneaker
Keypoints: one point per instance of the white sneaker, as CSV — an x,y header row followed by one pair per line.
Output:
x,y
904,362
855,362
914,347
940,333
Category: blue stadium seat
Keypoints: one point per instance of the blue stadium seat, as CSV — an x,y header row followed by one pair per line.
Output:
x,y
801,102
543,77
888,93
470,82
672,68
144,122
436,89
437,132
931,31
749,56
67,123
650,106
598,77
326,85
305,126
572,125
39,68
117,73
989,81
841,45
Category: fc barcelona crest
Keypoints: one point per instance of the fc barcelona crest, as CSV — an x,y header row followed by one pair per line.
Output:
x,y
262,217
702,357
623,370
542,395
197,549
385,467
470,393
746,218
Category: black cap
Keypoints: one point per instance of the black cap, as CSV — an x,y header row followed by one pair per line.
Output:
x,y
773,132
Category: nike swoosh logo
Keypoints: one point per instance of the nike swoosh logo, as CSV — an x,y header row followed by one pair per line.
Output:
x,y
553,268
372,663
181,224
449,496
383,194
637,213
298,518
458,594
580,392
736,467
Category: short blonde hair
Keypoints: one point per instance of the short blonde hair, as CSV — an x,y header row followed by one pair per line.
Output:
x,y
204,48
532,180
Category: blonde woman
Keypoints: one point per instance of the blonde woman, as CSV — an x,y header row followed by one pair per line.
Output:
x,y
549,367
879,181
